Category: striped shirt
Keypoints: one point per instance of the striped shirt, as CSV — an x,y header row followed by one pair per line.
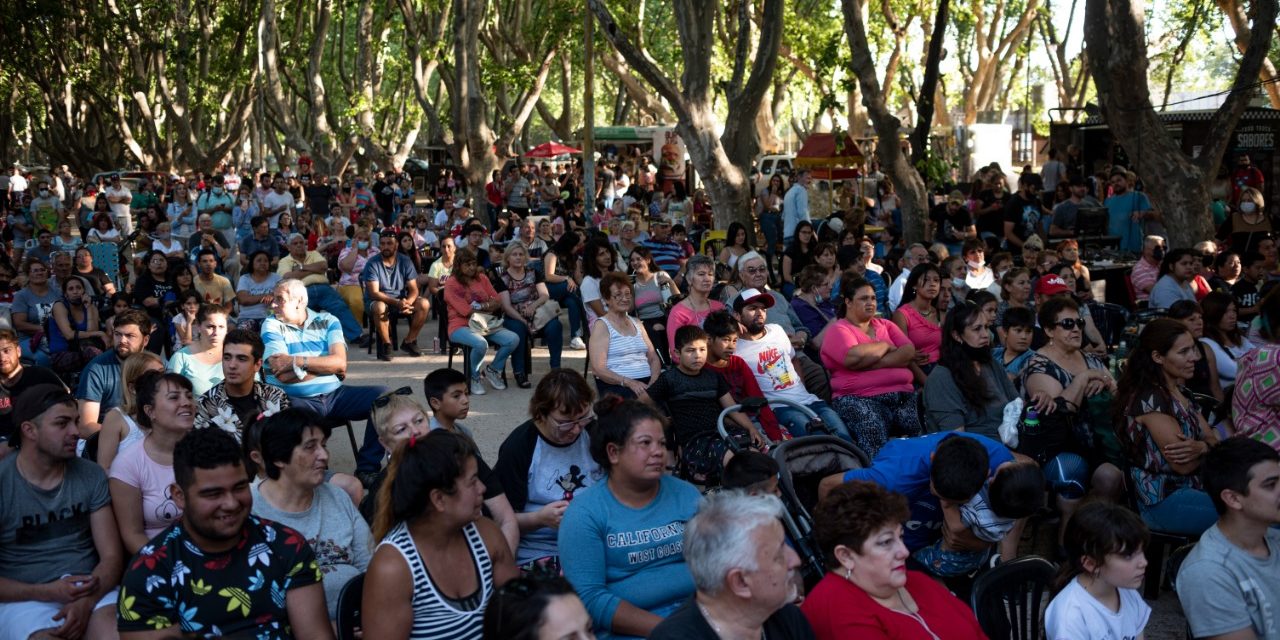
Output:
x,y
316,337
434,617
667,254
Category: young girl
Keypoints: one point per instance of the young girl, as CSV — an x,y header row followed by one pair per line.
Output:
x,y
1098,584
185,320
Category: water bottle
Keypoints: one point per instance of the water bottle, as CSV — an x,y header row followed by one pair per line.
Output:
x,y
666,292
435,345
1031,422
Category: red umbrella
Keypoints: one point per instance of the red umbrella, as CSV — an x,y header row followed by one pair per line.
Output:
x,y
550,150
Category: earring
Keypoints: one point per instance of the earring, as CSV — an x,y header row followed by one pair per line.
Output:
x,y
848,574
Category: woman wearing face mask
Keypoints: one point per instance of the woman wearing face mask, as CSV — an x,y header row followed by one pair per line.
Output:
x,y
351,261
1176,271
977,275
954,270
920,320
243,211
1248,224
968,390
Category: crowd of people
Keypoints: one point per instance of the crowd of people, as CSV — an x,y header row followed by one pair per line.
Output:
x,y
178,351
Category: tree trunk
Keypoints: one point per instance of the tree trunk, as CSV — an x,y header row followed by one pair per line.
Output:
x,y
1240,25
474,148
895,164
929,86
1178,185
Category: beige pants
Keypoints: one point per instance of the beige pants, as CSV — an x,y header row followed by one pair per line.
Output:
x,y
353,295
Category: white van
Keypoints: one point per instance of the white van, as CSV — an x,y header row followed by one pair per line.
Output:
x,y
769,165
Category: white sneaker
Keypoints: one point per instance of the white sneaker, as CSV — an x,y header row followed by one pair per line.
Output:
x,y
477,387
577,344
495,378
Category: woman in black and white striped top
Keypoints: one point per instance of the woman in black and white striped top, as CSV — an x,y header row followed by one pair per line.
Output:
x,y
439,561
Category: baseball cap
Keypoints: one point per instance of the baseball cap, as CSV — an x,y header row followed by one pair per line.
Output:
x,y
38,399
956,196
1050,285
752,296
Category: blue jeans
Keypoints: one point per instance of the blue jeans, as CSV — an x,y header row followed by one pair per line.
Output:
x,y
552,334
322,297
41,358
572,301
506,341
1185,512
771,227
351,403
798,423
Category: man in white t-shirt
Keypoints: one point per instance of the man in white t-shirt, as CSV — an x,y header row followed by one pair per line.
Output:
x,y
768,352
278,201
119,197
916,254
1229,584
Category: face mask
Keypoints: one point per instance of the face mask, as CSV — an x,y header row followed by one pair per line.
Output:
x,y
957,283
977,354
362,245
217,191
164,235
1158,253
1245,207
44,193
973,265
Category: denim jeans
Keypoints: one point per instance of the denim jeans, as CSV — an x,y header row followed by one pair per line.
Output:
x,y
798,423
322,297
351,403
771,227
552,335
1185,512
41,358
506,341
572,302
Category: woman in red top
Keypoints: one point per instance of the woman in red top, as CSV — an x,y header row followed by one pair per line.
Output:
x,y
869,593
469,291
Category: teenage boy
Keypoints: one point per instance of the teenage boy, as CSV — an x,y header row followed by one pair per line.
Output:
x,y
449,397
1019,329
1229,584
1245,290
221,569
698,396
722,340
240,398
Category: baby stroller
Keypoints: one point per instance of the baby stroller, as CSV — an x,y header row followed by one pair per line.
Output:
x,y
803,463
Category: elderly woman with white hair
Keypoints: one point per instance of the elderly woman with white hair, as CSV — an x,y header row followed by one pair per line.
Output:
x,y
736,550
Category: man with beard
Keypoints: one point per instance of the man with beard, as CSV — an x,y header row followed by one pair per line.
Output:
x,y
391,286
101,383
14,379
60,553
1130,213
221,569
768,352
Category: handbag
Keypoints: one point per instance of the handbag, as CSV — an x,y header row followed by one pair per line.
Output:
x,y
483,323
543,314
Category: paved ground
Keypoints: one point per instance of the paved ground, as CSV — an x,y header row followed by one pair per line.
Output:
x,y
497,413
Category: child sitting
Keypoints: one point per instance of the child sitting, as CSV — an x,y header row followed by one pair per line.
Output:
x,y
1019,329
697,396
722,340
987,507
1097,588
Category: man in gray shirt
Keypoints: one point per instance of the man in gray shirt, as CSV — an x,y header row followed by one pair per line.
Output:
x,y
1229,585
60,556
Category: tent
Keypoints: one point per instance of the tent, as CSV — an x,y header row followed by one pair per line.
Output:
x,y
551,150
825,150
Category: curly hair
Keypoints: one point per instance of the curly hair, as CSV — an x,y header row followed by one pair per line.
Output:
x,y
853,512
204,449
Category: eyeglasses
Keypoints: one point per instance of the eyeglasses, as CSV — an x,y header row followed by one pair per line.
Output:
x,y
573,424
755,270
1070,324
385,399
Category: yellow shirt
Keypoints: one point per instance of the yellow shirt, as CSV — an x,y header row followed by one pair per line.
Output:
x,y
288,263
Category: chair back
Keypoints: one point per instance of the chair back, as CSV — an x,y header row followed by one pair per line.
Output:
x,y
1008,600
350,599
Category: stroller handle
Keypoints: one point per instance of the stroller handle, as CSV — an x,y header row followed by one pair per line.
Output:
x,y
755,405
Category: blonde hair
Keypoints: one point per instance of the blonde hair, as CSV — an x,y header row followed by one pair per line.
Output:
x,y
381,416
134,366
512,248
1253,195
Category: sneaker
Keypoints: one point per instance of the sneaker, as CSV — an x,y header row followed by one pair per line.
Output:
x,y
365,340
495,378
384,352
410,348
577,344
477,387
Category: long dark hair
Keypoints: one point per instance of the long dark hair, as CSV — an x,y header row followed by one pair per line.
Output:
x,y
804,248
417,468
952,354
1213,308
917,274
595,246
617,419
734,228
565,246
1141,372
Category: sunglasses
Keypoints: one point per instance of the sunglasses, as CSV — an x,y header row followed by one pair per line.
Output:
x,y
1070,324
385,399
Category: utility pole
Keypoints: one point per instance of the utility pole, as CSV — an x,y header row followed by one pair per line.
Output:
x,y
589,119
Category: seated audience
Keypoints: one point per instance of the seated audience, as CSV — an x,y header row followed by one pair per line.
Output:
x,y
558,267
241,396
213,288
1229,585
201,361
869,359
523,292
15,378
597,260
1247,289
867,592
58,575
141,476
1255,407
700,278
536,608
1176,272
180,582
1097,593
968,390
799,254
149,292
120,428
438,562
812,300
31,308
1019,331
74,333
295,456
1222,335
653,288
254,292
920,320
351,261
737,552
623,361
391,287
469,292
1015,293
629,588
100,386
1205,381
722,339
1165,438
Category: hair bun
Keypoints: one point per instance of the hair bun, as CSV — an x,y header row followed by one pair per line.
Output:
x,y
608,403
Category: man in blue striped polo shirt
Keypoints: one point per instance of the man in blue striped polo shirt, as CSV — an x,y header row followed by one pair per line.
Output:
x,y
305,354
667,253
